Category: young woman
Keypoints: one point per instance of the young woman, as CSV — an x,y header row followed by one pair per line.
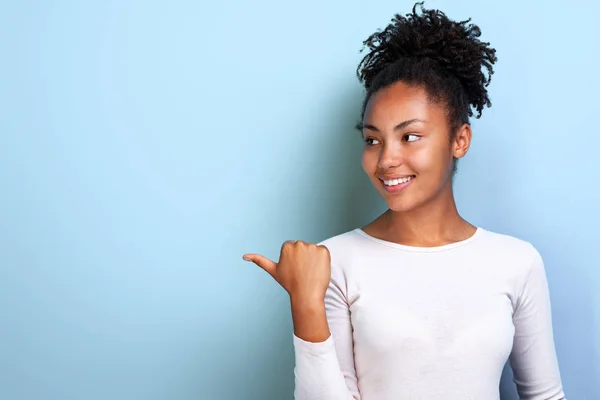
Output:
x,y
419,303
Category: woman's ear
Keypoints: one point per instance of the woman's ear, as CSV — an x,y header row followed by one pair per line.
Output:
x,y
462,141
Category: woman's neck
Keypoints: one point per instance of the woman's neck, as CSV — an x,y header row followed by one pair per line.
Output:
x,y
435,224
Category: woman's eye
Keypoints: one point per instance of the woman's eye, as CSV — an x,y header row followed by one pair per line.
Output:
x,y
411,138
371,141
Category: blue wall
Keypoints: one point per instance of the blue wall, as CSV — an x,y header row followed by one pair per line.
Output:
x,y
145,146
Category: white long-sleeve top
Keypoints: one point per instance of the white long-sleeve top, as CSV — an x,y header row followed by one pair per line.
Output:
x,y
428,323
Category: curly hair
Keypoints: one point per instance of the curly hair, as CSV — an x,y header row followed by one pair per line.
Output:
x,y
430,50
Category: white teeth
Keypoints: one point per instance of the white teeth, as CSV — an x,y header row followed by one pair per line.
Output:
x,y
395,182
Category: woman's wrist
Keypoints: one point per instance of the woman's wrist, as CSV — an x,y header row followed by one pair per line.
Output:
x,y
310,320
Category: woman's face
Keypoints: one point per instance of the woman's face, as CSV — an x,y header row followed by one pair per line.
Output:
x,y
408,154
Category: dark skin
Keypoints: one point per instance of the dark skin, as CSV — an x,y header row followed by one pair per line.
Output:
x,y
407,135
424,213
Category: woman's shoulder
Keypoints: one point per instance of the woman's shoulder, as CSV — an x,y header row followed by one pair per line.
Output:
x,y
514,255
342,242
348,249
507,244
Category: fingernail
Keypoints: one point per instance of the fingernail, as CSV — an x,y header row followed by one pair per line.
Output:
x,y
246,258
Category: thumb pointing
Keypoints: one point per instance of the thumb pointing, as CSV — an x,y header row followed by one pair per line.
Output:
x,y
262,262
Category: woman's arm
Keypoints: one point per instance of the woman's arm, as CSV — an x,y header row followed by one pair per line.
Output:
x,y
324,347
322,366
533,358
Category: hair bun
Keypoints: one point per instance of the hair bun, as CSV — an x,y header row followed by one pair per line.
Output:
x,y
430,35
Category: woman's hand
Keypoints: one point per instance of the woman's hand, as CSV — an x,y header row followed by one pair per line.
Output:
x,y
303,270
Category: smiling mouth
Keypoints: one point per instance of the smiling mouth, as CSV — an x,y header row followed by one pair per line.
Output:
x,y
396,182
396,186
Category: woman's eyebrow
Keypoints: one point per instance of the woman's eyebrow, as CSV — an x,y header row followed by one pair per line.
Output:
x,y
398,127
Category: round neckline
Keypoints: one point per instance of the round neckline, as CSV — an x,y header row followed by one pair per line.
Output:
x,y
421,249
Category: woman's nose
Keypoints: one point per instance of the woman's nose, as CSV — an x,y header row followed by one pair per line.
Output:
x,y
391,156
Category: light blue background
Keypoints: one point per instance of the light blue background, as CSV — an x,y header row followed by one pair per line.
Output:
x,y
145,146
